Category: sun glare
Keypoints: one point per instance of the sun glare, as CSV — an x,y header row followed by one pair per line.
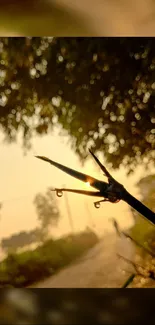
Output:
x,y
88,184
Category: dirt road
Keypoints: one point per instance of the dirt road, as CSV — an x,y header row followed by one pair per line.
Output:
x,y
99,268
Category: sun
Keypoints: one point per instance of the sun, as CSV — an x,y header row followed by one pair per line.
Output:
x,y
88,184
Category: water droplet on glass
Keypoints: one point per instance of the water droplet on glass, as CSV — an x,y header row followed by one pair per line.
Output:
x,y
97,205
59,193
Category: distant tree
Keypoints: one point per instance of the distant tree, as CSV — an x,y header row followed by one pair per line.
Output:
x,y
48,213
1,205
101,90
20,240
147,190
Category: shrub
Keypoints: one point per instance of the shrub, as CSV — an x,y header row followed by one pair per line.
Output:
x,y
19,270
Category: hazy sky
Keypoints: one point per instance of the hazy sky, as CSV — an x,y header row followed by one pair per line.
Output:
x,y
24,176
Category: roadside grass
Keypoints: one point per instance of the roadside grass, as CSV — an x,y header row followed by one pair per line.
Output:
x,y
144,233
24,269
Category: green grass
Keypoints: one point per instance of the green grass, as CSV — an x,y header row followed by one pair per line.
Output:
x,y
24,269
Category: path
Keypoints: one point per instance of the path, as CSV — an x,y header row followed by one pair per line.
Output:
x,y
99,268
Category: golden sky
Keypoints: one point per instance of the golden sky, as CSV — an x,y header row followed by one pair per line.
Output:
x,y
24,176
